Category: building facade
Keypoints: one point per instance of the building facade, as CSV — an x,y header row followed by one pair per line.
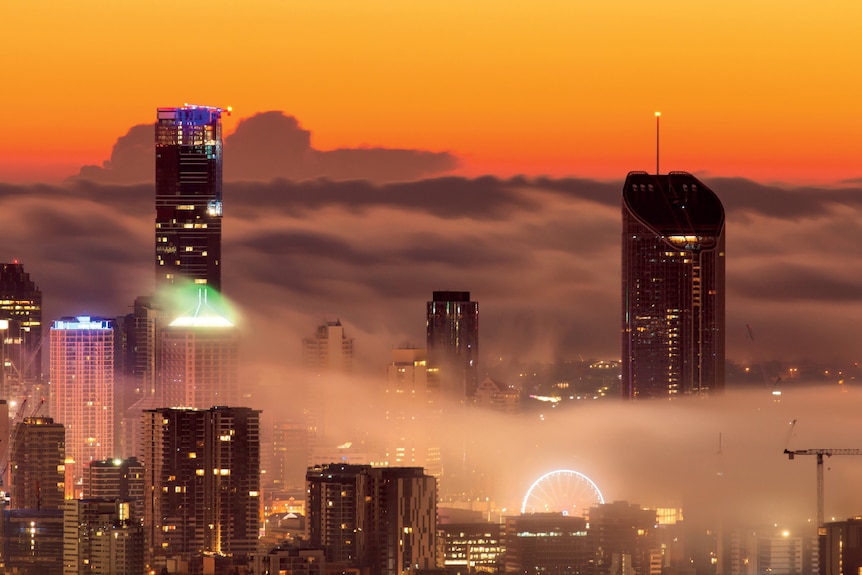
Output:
x,y
383,519
546,543
841,549
672,287
188,195
116,480
452,334
21,345
82,382
623,538
202,481
101,536
37,464
199,361
329,350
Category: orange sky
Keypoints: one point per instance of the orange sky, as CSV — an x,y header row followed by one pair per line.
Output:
x,y
768,90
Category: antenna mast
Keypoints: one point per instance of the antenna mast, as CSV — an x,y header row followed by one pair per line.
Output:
x,y
657,118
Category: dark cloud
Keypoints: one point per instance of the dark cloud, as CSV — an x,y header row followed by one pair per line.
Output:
x,y
541,256
272,145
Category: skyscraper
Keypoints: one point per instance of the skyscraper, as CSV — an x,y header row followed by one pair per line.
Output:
x,y
21,306
188,195
202,480
672,287
82,382
452,329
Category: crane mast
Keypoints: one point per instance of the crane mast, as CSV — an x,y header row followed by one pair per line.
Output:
x,y
820,453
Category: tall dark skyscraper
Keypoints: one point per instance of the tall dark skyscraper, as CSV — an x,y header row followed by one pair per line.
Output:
x,y
673,287
188,195
452,330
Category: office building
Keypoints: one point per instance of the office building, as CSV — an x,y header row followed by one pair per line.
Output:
x,y
452,330
672,287
37,464
82,382
624,539
383,519
202,481
199,358
21,332
101,536
478,547
188,196
546,543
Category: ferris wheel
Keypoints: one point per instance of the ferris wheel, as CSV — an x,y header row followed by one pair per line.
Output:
x,y
562,491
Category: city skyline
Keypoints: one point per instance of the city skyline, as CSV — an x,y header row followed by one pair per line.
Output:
x,y
352,217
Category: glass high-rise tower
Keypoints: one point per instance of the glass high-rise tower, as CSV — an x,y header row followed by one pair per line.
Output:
x,y
188,195
673,287
82,386
452,336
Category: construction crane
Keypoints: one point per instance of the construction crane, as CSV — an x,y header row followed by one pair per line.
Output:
x,y
820,453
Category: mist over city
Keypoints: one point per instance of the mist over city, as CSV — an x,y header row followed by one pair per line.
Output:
x,y
402,288
541,256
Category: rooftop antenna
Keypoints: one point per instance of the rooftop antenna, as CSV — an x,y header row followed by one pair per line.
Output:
x,y
657,118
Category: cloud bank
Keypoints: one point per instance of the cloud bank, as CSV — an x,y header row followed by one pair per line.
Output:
x,y
272,145
542,259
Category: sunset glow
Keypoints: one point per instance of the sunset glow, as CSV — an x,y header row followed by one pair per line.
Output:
x,y
763,90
